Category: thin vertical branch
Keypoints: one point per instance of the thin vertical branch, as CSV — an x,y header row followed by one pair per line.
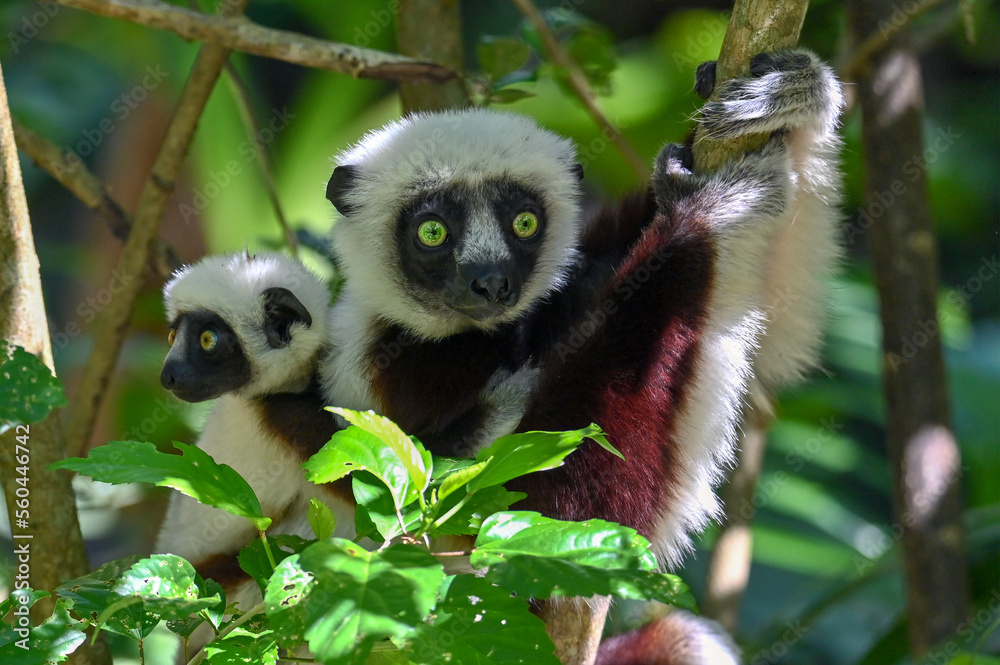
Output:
x,y
923,454
729,567
112,326
49,542
245,106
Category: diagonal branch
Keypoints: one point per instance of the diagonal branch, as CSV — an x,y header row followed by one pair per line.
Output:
x,y
238,33
112,325
84,185
578,82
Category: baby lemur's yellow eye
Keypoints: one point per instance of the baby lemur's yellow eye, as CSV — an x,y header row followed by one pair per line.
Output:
x,y
525,225
432,233
209,339
171,336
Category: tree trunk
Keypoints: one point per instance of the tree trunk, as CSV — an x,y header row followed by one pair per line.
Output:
x,y
922,451
49,543
431,31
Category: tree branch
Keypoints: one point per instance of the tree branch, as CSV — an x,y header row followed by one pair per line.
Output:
x,y
240,34
431,30
52,532
922,451
76,177
112,324
581,87
755,26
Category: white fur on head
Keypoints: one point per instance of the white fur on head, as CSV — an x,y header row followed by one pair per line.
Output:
x,y
428,152
231,286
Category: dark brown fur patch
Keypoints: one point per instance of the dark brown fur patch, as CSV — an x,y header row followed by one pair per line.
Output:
x,y
626,367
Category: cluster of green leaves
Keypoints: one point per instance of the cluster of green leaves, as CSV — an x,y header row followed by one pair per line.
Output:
x,y
506,60
397,602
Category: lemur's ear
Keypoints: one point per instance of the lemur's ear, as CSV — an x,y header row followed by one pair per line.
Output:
x,y
577,170
341,182
281,310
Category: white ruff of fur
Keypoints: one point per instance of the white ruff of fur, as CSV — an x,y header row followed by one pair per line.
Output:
x,y
231,286
430,152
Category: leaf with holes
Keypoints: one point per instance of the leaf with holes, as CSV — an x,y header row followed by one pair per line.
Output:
x,y
361,597
478,622
52,641
28,391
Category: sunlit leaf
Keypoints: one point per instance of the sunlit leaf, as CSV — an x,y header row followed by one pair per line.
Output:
x,y
193,473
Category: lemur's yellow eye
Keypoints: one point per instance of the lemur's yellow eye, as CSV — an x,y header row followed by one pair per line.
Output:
x,y
209,339
525,225
171,336
432,233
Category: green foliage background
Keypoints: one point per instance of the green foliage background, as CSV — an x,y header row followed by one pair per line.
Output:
x,y
826,584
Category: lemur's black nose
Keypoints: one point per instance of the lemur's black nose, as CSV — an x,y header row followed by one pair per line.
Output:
x,y
492,286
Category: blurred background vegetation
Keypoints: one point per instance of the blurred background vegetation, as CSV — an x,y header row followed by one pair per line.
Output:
x,y
826,585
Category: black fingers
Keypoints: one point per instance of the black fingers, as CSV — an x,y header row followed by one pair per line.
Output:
x,y
704,79
765,63
675,159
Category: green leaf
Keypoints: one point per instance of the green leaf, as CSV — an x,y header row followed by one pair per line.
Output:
x,y
375,515
509,96
28,391
593,48
253,559
244,645
469,518
52,641
93,593
593,543
361,597
166,585
499,56
374,444
321,519
459,478
284,601
193,473
480,623
520,454
215,614
546,577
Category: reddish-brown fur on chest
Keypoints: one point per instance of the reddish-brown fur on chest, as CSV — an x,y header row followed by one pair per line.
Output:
x,y
627,370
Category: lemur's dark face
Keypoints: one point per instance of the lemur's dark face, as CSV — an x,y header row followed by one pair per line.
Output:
x,y
206,358
471,250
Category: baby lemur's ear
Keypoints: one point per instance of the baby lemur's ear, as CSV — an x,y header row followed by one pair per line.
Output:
x,y
341,183
281,310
